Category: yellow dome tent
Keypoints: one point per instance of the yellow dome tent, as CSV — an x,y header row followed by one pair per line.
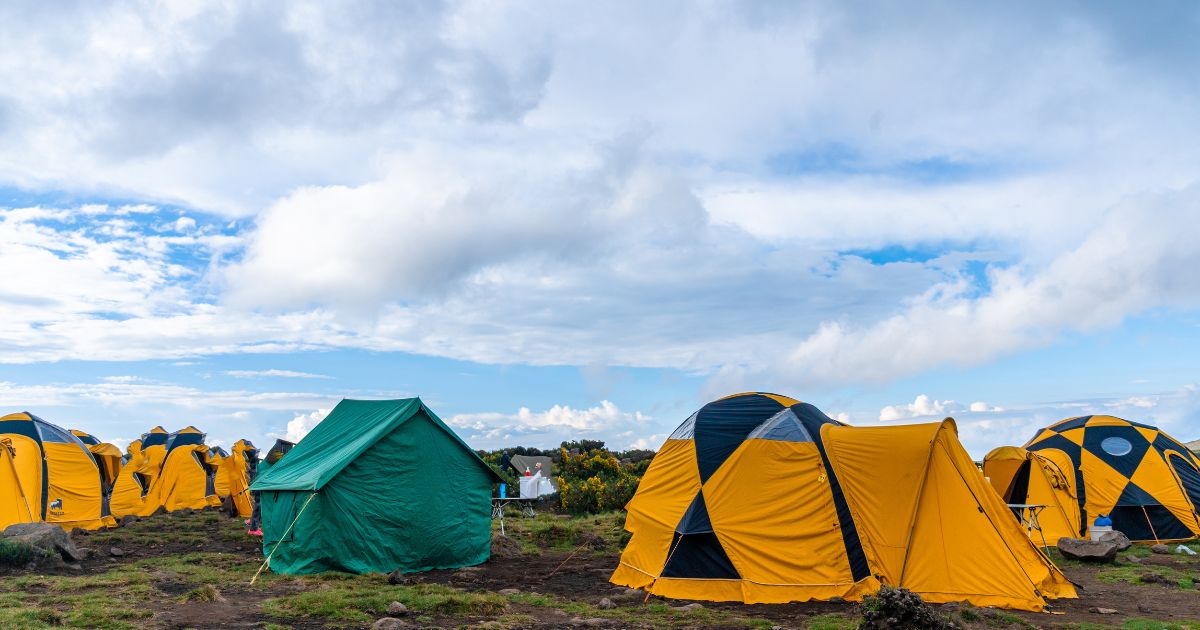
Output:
x,y
236,469
217,457
56,472
187,478
1045,478
759,498
1145,480
133,482
108,461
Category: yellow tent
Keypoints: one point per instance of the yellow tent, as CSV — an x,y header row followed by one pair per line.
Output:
x,y
108,461
761,499
236,470
1145,480
187,478
1045,478
133,482
218,457
15,505
57,473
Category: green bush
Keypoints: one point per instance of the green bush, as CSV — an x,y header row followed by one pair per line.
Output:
x,y
16,554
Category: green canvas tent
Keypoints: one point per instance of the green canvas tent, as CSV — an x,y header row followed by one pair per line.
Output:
x,y
378,485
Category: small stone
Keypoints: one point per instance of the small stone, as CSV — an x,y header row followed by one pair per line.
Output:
x,y
509,591
87,552
116,552
1117,538
1105,611
688,607
397,609
1132,559
388,623
1161,548
397,577
606,604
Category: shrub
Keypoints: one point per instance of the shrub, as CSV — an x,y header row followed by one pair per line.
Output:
x,y
17,554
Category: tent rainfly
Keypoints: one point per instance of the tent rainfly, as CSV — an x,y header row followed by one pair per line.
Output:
x,y
759,498
1045,478
55,475
375,487
187,478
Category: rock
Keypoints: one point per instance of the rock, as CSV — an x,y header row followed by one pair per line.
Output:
x,y
1161,548
1087,550
75,567
505,547
688,607
129,519
49,538
898,608
463,575
78,531
471,569
1105,611
116,552
396,609
1142,608
1155,578
1132,559
87,552
388,623
606,604
509,591
397,577
1117,538
591,621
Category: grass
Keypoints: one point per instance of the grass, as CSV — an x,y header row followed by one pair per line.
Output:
x,y
358,598
555,532
206,593
1133,574
832,622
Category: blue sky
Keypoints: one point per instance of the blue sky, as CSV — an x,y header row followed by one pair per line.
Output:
x,y
563,221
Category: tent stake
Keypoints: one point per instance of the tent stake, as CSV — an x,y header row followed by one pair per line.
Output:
x,y
280,541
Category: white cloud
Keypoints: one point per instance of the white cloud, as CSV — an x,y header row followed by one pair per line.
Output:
x,y
273,373
922,406
299,426
982,407
547,428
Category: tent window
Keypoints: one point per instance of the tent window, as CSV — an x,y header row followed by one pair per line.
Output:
x,y
687,430
784,427
1116,446
53,434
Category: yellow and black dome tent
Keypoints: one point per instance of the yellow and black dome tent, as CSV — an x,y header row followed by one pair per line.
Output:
x,y
236,469
762,499
15,505
188,475
108,461
1145,480
1045,478
57,474
133,482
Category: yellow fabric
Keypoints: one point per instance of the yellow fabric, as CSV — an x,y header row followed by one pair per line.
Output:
x,y
236,470
27,460
1051,483
73,493
182,483
666,490
772,509
958,542
221,481
15,506
133,482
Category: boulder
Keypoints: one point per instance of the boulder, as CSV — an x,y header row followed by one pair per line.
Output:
x,y
397,609
606,604
1105,611
1087,550
397,577
116,552
389,623
49,538
1119,539
1132,559
1161,548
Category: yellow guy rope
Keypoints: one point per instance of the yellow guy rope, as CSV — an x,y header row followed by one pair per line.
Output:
x,y
285,533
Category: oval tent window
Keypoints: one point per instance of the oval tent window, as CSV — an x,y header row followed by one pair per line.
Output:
x,y
1116,446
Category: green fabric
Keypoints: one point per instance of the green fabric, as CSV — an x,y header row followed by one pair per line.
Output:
x,y
414,498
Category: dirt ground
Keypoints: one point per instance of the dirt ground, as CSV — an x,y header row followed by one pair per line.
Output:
x,y
193,571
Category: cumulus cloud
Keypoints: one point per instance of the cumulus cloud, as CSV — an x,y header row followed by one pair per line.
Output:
x,y
299,426
922,406
547,428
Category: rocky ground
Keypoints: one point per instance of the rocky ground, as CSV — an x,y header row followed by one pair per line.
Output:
x,y
194,570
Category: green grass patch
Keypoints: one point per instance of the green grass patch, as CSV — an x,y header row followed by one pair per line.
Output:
x,y
1146,574
1153,624
358,598
832,622
206,593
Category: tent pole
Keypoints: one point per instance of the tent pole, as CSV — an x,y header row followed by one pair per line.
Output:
x,y
280,541
1148,522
